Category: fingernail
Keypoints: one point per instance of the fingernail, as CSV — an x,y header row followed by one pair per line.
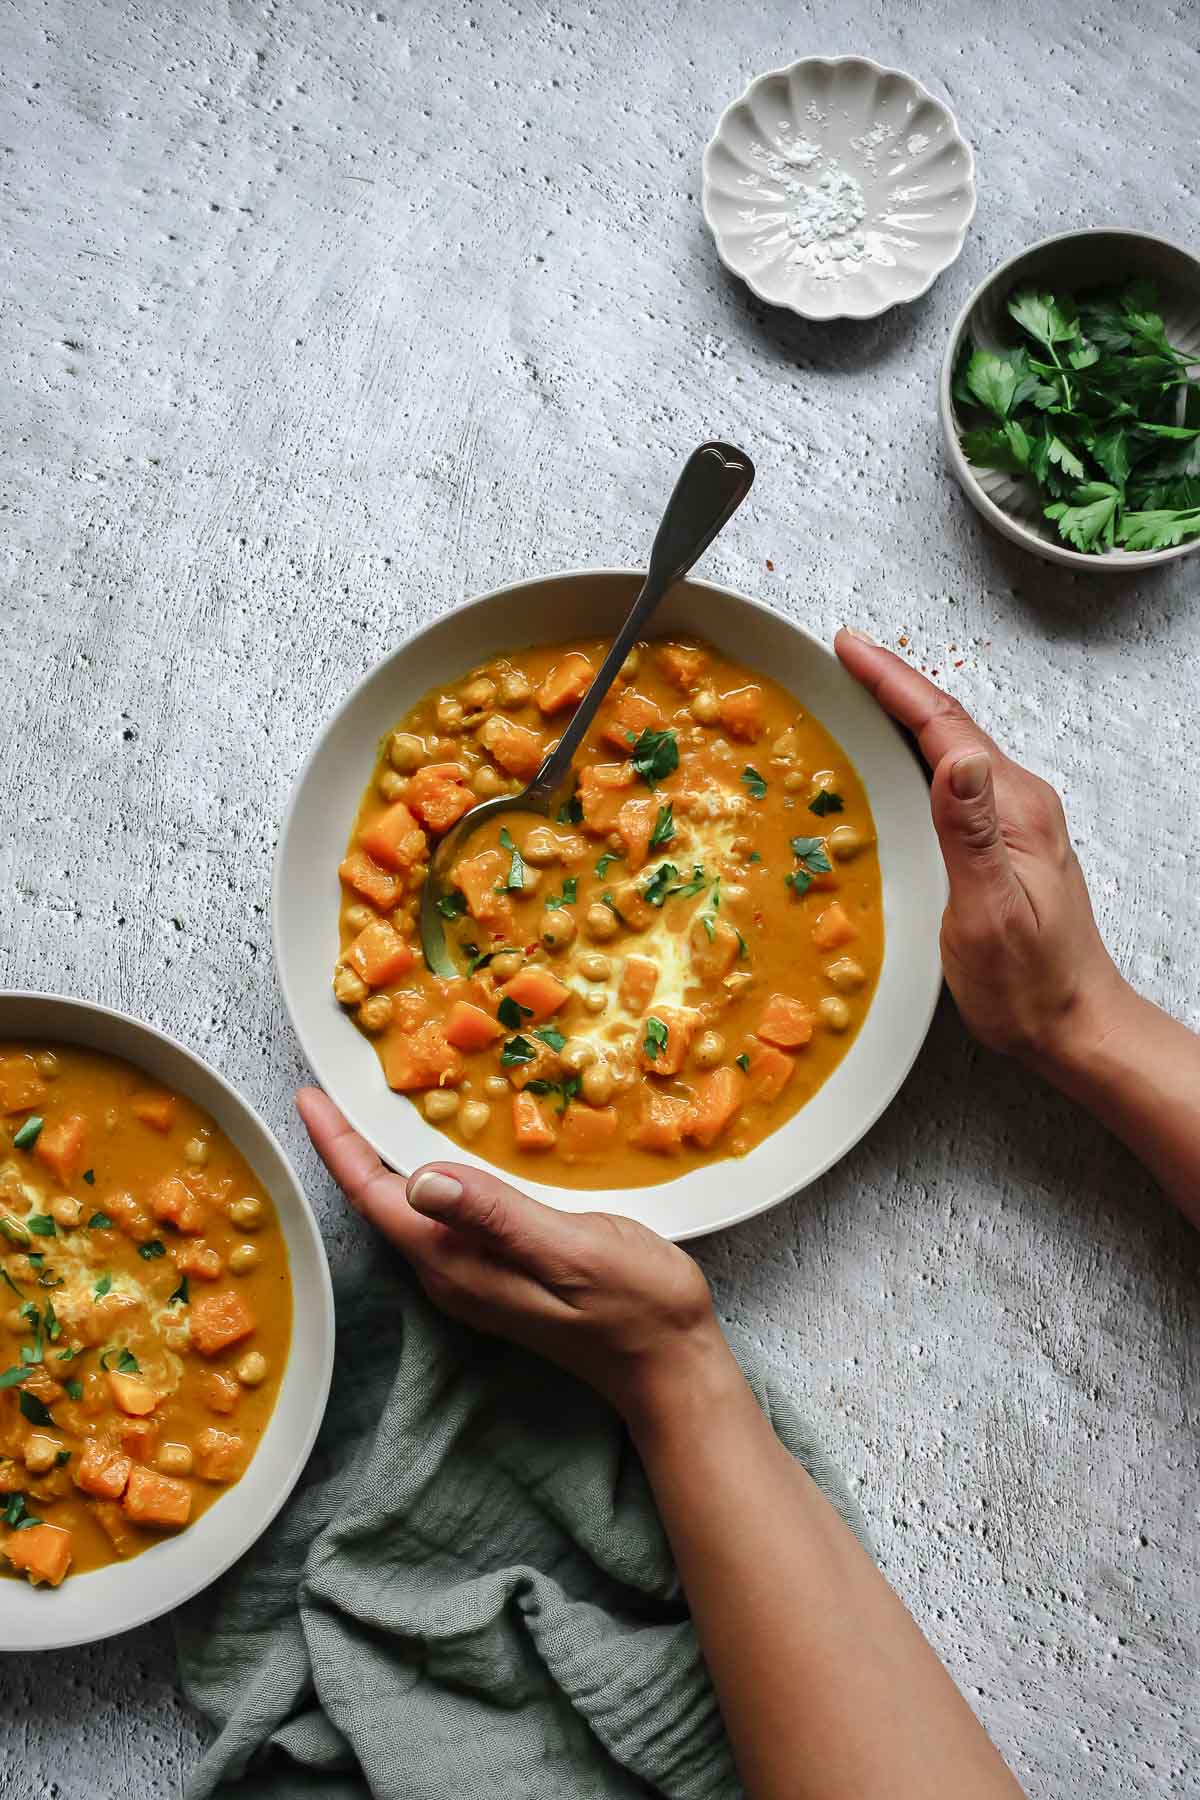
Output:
x,y
853,631
969,776
431,1188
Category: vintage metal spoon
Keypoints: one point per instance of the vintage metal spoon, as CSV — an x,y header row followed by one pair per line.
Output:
x,y
715,480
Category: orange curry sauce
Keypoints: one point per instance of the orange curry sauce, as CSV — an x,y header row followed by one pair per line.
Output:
x,y
659,976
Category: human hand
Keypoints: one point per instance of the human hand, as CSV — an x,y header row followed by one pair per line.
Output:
x,y
1022,954
626,1310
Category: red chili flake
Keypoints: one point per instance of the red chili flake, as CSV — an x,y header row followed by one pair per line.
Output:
x,y
770,565
959,663
904,643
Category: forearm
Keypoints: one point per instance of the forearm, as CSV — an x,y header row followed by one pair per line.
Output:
x,y
827,1688
1138,1070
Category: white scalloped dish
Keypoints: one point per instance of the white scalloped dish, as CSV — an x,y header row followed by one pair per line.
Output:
x,y
837,188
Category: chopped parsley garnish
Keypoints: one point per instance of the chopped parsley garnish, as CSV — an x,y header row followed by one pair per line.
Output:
x,y
743,946
89,1175
826,802
52,1324
62,1459
754,783
99,1221
11,1377
742,1061
603,863
553,1039
102,1287
29,1133
517,1050
607,900
13,1229
15,1515
754,856
9,1282
35,1258
657,889
813,861
180,1296
126,1363
655,1038
33,1409
708,918
512,1014
664,827
452,905
568,897
516,869
570,812
695,881
655,755
481,958
41,1225
74,1389
566,1090
154,1248
67,1355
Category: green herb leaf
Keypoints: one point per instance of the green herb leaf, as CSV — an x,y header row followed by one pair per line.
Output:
x,y
826,802
452,905
511,1013
655,755
517,1050
29,1133
51,1321
553,1039
102,1287
74,1389
606,899
14,1376
605,862
664,827
153,1249
655,1039
62,1459
13,1229
754,856
41,1225
742,1061
743,946
126,1362
811,853
8,1281
659,885
516,868
754,783
568,897
35,1258
89,1175
34,1409
67,1355
1042,317
1158,530
1090,521
570,812
568,1090
99,1221
695,881
180,1296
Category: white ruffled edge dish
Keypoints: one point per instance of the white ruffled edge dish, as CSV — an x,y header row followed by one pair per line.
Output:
x,y
98,1605
317,827
828,116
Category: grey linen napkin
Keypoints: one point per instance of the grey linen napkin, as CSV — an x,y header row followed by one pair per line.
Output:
x,y
469,1597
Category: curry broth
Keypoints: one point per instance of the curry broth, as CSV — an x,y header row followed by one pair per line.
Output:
x,y
149,1235
768,771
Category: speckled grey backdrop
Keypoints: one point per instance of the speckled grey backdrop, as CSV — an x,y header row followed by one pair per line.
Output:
x,y
320,316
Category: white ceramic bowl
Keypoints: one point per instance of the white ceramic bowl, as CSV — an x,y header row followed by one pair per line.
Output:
x,y
98,1605
837,187
1068,263
319,819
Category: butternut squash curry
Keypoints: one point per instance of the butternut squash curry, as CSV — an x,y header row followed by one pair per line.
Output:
x,y
145,1313
657,977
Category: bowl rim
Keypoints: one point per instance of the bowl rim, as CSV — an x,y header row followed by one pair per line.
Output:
x,y
921,1017
873,312
230,1547
1112,562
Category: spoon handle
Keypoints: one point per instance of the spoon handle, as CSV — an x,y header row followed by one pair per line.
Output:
x,y
713,483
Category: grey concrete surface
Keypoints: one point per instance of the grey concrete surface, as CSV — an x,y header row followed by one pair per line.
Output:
x,y
320,316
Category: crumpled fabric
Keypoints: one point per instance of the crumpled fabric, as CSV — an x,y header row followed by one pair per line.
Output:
x,y
470,1595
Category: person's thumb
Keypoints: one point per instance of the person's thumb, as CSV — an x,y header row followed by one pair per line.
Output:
x,y
486,1209
964,816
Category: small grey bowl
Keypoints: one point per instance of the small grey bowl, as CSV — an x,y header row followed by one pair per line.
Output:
x,y
1100,257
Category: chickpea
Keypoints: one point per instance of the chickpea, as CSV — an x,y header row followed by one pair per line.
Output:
x,y
795,781
358,917
47,1064
450,713
594,966
595,1002
348,986
404,916
542,847
248,1213
596,1084
496,1087
600,922
195,1152
506,964
559,930
834,1011
631,665
243,1258
66,1211
473,1117
706,708
514,689
846,974
252,1370
440,1104
406,752
478,694
733,892
786,745
375,1013
578,1054
488,782
845,841
709,1049
392,786
176,1459
742,847
14,1320
41,1454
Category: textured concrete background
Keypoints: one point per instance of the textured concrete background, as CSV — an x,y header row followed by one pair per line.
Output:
x,y
318,317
